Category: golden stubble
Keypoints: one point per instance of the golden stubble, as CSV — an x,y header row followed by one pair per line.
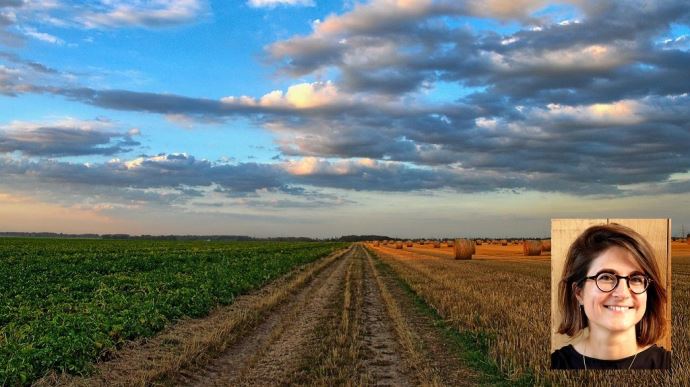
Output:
x,y
507,297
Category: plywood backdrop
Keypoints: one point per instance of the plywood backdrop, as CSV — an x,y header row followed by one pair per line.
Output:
x,y
564,231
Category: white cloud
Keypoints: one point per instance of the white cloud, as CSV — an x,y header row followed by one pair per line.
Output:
x,y
66,122
43,36
514,9
275,3
128,13
589,57
369,16
318,166
625,112
299,96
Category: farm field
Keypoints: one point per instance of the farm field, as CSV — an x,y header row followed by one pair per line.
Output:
x,y
256,313
67,303
336,321
505,297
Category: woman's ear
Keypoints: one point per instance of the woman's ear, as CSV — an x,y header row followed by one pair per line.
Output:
x,y
577,291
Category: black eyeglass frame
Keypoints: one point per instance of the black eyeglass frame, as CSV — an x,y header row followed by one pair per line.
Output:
x,y
618,281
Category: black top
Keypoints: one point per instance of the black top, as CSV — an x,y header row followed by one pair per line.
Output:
x,y
654,357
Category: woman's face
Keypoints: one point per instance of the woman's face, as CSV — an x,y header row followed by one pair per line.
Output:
x,y
619,310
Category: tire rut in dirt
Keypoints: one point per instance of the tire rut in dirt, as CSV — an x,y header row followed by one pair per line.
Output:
x,y
383,355
271,354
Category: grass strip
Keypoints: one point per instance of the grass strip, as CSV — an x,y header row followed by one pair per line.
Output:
x,y
472,348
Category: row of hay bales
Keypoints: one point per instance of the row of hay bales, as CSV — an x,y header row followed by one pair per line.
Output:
x,y
410,243
681,239
465,248
462,247
501,242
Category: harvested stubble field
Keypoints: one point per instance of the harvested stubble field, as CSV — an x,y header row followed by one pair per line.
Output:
x,y
504,297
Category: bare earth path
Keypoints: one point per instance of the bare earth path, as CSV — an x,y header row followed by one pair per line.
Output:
x,y
346,322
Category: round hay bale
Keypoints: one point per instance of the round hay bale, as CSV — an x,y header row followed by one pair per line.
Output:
x,y
464,248
688,239
398,245
449,243
376,243
504,242
478,242
410,244
437,244
546,245
531,247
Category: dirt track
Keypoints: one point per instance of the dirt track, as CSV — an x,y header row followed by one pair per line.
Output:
x,y
347,322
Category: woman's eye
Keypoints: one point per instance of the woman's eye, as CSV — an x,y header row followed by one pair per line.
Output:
x,y
607,278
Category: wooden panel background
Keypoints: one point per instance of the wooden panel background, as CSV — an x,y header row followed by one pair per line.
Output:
x,y
564,231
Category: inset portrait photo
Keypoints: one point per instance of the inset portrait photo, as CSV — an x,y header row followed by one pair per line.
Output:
x,y
611,294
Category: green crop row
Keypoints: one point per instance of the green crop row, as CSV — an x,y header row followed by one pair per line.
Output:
x,y
66,303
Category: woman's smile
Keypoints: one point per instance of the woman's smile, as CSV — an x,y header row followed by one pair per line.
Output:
x,y
619,309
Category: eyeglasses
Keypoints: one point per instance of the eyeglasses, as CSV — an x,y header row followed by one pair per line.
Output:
x,y
606,282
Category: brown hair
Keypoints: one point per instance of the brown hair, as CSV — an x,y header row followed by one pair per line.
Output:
x,y
587,247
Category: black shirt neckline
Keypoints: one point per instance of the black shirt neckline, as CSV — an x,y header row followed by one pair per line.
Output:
x,y
612,361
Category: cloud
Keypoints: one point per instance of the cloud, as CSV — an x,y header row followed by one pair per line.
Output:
x,y
610,43
557,138
102,14
275,3
68,137
541,107
136,13
20,76
299,96
43,36
601,114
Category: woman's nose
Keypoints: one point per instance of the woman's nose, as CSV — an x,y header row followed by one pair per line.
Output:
x,y
622,290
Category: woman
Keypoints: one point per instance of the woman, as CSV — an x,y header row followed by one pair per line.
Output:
x,y
611,285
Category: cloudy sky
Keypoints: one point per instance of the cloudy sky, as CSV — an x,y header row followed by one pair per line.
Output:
x,y
323,118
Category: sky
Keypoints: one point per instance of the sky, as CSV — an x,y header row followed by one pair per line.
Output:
x,y
326,118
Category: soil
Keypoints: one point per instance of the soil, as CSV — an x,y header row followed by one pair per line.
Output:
x,y
336,328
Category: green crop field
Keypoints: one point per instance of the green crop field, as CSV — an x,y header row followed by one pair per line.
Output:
x,y
66,303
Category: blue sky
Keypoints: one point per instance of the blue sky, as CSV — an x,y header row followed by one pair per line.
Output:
x,y
321,118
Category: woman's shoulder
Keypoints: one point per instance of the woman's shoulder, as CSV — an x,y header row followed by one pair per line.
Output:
x,y
565,358
655,357
566,350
